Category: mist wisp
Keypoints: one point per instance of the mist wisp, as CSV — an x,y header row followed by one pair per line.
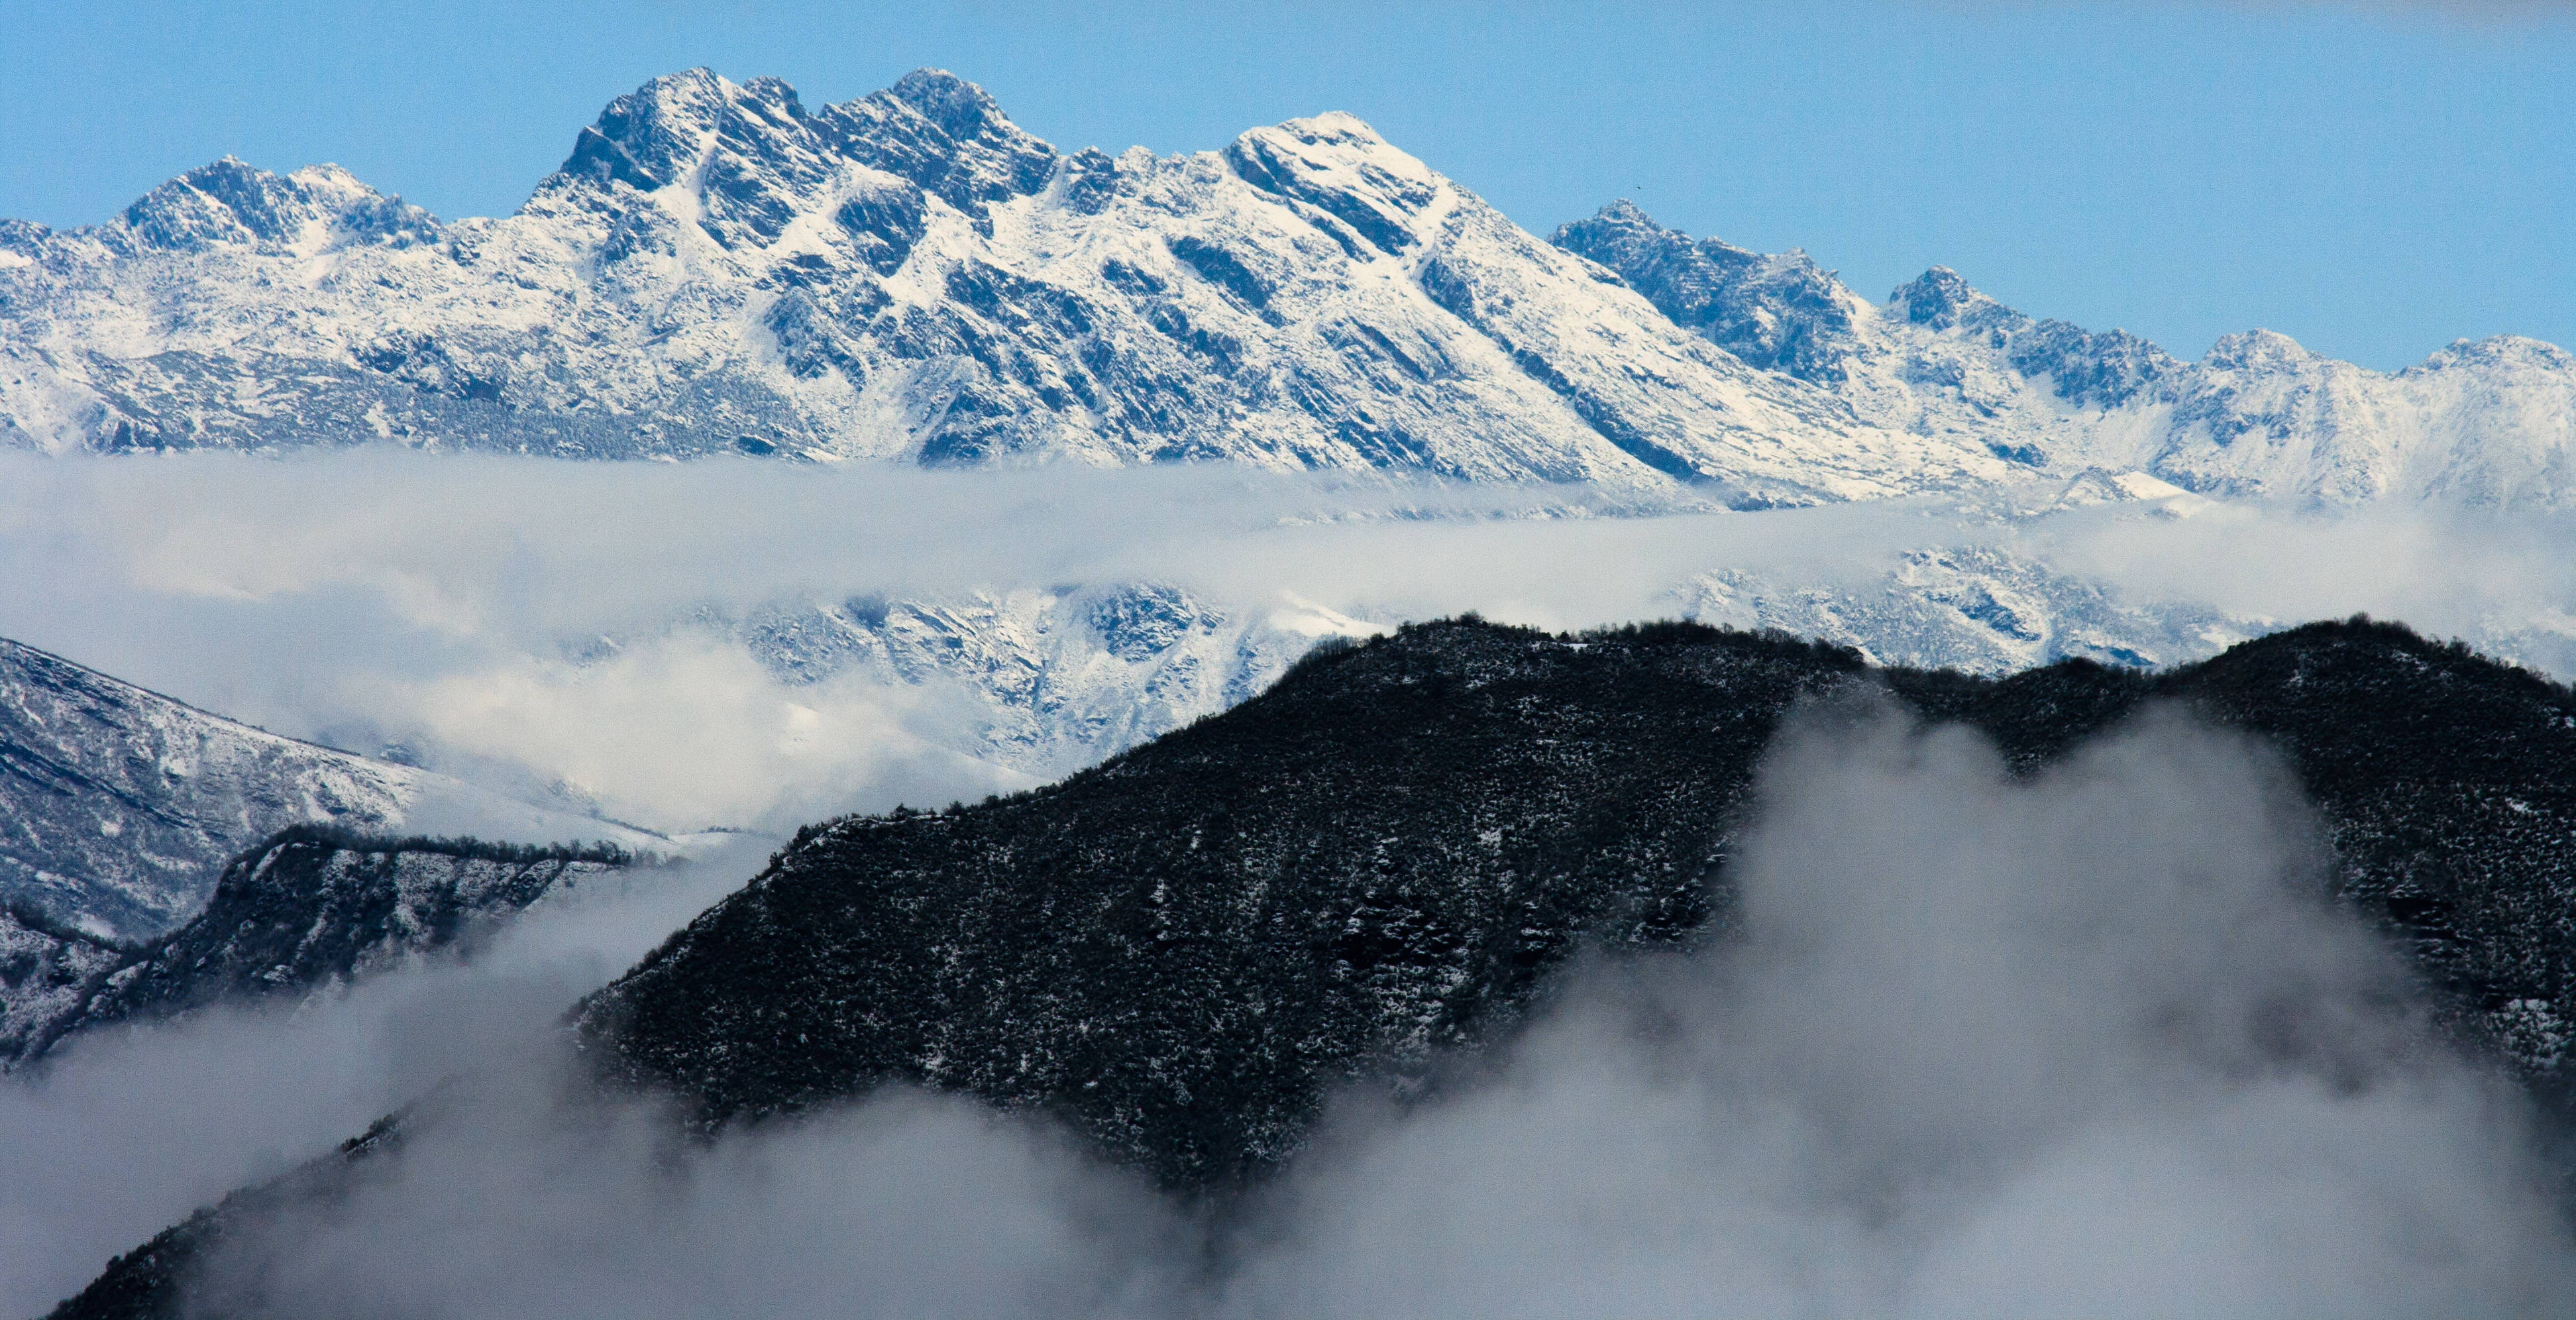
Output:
x,y
2090,1042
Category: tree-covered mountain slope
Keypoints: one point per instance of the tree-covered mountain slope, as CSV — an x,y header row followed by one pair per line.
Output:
x,y
1183,950
307,910
120,807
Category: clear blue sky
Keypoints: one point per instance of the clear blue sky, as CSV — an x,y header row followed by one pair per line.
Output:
x,y
2372,178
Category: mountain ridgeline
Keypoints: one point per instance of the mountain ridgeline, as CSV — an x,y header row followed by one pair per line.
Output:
x,y
718,268
1182,951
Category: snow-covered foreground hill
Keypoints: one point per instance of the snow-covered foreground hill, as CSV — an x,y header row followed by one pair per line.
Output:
x,y
911,276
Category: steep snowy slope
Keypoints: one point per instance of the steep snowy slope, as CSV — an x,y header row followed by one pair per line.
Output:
x,y
47,973
119,807
2487,422
1057,678
907,275
306,910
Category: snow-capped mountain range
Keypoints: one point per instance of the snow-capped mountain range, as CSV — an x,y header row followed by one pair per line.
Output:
x,y
119,807
2488,422
909,275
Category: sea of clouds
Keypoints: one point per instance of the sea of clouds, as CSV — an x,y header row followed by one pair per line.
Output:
x,y
554,628
2086,1043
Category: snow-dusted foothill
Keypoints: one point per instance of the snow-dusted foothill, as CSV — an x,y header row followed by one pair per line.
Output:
x,y
305,912
1980,609
1057,678
1043,682
120,806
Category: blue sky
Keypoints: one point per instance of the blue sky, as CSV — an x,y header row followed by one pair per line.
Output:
x,y
2374,179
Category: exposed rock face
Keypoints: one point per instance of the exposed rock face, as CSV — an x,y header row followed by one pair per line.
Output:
x,y
2489,422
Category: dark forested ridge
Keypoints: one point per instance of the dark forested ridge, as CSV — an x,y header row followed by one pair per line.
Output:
x,y
309,906
1183,950
1182,946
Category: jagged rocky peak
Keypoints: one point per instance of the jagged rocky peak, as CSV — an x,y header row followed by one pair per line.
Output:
x,y
2256,350
1778,312
751,155
944,134
1939,358
233,202
962,110
1337,164
2089,368
744,154
661,132
1942,299
1624,226
2510,352
1338,135
24,239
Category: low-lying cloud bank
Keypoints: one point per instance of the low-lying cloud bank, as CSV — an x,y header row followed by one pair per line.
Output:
x,y
2092,1043
127,1130
579,630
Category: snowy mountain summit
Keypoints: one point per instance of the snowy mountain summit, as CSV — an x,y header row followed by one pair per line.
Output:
x,y
910,275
